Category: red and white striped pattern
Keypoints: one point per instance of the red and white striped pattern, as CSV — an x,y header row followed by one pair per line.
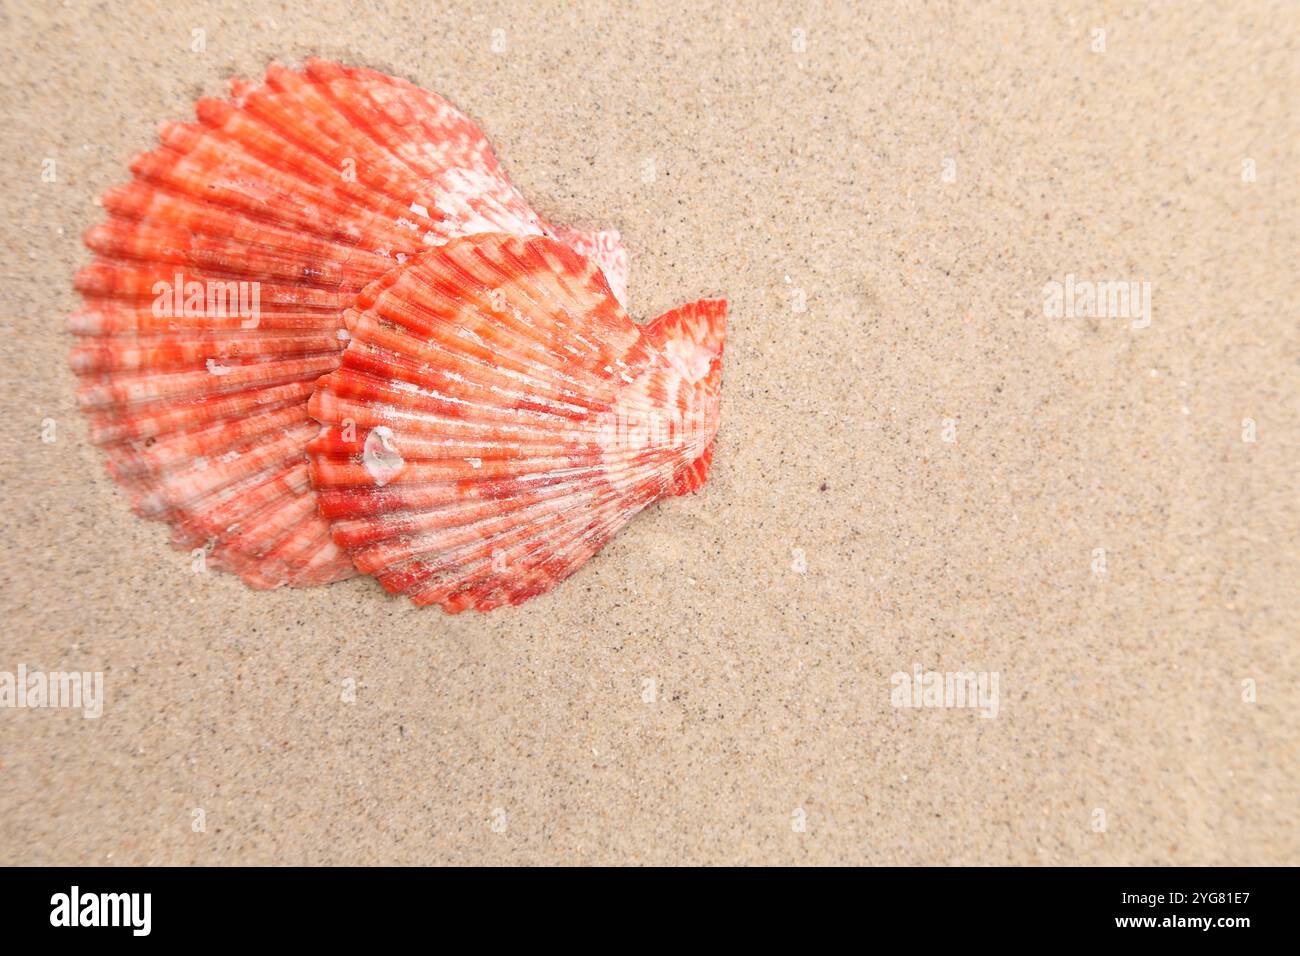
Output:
x,y
310,185
497,417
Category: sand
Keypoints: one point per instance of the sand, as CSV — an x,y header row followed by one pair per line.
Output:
x,y
917,468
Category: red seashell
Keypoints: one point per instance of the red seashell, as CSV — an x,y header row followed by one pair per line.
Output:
x,y
497,418
217,293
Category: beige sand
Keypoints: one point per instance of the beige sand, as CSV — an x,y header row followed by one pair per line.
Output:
x,y
1124,732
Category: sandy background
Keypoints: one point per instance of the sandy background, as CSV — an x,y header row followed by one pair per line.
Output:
x,y
779,175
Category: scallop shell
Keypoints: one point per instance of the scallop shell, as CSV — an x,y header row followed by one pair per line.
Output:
x,y
216,296
497,418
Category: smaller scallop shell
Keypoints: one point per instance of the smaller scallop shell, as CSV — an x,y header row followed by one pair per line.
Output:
x,y
217,294
497,418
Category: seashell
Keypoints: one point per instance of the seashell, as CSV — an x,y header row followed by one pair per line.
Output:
x,y
217,293
497,418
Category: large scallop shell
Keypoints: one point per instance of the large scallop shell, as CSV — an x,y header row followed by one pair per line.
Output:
x,y
497,417
216,296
